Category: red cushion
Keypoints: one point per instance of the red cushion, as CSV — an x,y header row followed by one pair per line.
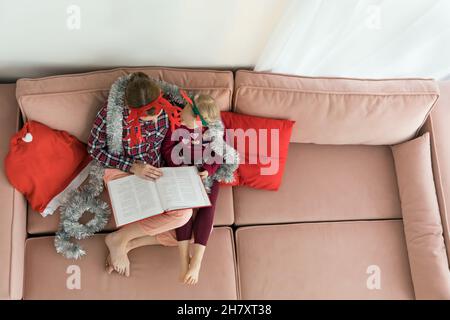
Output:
x,y
261,165
45,164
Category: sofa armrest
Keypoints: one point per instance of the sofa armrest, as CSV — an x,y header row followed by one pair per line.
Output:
x,y
437,125
12,205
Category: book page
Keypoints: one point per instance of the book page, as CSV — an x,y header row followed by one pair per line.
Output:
x,y
181,187
133,199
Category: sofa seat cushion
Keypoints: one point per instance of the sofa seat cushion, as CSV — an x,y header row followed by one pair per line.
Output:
x,y
333,260
154,272
70,102
224,215
325,183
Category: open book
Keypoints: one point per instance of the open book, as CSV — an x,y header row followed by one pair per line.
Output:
x,y
135,198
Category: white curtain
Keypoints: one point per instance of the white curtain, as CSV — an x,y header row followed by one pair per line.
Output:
x,y
371,39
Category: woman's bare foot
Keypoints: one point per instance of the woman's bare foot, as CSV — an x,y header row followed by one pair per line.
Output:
x,y
109,267
118,253
132,244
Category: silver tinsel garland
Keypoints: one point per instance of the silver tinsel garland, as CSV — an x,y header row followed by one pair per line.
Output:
x,y
75,204
116,103
229,155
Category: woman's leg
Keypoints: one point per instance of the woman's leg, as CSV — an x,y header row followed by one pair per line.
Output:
x,y
133,244
118,241
142,242
183,248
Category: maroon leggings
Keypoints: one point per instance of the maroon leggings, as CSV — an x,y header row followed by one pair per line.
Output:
x,y
203,222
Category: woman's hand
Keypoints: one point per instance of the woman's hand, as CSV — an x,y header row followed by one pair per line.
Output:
x,y
203,174
145,171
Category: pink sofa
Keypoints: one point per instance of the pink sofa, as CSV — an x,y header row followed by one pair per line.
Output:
x,y
336,216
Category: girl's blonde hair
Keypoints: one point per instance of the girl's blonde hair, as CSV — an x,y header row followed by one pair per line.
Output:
x,y
207,107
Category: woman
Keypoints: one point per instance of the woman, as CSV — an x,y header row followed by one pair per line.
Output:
x,y
126,137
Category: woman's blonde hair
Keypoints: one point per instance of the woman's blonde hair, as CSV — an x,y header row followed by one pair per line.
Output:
x,y
207,107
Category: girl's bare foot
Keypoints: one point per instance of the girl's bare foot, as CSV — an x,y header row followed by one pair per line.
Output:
x,y
195,263
118,253
184,267
191,276
183,250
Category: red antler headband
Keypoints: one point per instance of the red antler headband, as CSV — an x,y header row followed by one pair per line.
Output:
x,y
158,104
199,117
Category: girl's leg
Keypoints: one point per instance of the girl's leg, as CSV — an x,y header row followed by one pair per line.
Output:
x,y
185,232
203,224
195,263
184,235
183,249
204,219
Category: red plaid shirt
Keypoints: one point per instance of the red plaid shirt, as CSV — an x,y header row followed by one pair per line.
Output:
x,y
153,133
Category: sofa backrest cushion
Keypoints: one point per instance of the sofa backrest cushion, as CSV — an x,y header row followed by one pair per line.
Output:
x,y
70,102
338,110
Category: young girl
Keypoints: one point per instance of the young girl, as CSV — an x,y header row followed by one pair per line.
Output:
x,y
200,124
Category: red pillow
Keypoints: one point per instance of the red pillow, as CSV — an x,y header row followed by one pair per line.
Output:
x,y
262,163
44,164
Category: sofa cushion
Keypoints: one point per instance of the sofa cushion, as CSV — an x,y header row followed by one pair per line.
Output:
x,y
437,125
336,260
154,272
326,183
70,102
337,110
224,215
421,218
12,205
263,145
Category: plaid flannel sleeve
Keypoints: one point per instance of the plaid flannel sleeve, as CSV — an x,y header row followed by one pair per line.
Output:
x,y
97,145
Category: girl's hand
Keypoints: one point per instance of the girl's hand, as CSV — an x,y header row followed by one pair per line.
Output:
x,y
203,174
145,171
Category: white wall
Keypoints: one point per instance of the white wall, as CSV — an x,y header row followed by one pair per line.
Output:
x,y
35,39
